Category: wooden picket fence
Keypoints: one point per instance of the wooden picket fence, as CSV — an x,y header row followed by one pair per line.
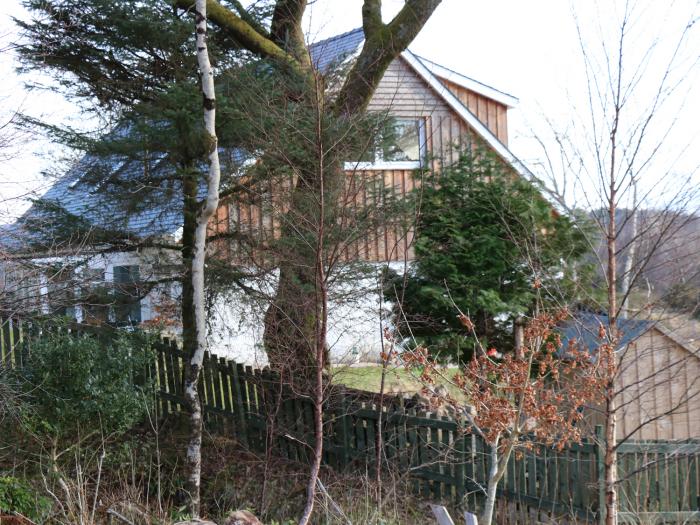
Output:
x,y
660,481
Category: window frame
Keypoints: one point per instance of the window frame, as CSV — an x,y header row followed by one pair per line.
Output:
x,y
381,164
120,289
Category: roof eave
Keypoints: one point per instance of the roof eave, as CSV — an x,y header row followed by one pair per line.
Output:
x,y
501,149
469,83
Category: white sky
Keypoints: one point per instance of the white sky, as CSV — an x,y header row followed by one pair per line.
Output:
x,y
528,49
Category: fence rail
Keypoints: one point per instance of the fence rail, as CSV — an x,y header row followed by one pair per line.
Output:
x,y
659,480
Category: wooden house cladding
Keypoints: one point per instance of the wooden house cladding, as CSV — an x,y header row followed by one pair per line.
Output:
x,y
393,241
490,112
404,95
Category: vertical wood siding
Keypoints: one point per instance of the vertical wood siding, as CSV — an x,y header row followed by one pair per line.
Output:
x,y
659,385
401,94
493,114
660,376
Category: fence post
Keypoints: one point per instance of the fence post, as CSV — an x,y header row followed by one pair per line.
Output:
x,y
345,428
600,456
460,468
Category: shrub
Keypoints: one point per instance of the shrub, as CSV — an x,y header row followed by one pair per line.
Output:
x,y
77,382
17,496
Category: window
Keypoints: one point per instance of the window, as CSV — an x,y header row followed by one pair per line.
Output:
x,y
402,145
403,142
127,300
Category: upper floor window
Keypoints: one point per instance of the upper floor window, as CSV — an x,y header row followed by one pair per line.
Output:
x,y
402,145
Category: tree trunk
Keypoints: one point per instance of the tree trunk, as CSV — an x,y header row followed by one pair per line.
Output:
x,y
197,337
321,317
610,459
631,254
611,365
291,319
492,485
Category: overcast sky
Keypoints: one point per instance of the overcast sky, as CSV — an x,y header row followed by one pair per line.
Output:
x,y
528,49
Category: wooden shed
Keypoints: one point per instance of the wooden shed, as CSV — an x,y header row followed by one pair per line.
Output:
x,y
658,380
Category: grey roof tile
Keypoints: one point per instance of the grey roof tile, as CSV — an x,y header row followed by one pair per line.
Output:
x,y
333,51
132,210
583,330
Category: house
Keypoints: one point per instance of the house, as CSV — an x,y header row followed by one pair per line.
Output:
x,y
434,109
658,381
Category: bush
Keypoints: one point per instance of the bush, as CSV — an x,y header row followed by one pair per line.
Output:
x,y
685,298
17,496
77,382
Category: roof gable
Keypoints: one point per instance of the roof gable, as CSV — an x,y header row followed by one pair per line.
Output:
x,y
469,83
463,112
338,49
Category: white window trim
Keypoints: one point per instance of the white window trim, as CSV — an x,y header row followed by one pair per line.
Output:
x,y
383,165
397,164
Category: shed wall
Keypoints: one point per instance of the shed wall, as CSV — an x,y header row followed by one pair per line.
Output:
x,y
659,386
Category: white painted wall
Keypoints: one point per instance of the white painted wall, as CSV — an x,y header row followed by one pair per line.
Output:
x,y
236,321
354,324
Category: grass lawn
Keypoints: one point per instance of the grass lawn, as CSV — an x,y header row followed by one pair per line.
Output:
x,y
369,378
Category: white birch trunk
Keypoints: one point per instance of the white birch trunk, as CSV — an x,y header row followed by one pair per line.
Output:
x,y
610,415
194,450
492,485
631,254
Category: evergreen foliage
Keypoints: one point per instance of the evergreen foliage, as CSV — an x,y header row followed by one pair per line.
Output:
x,y
130,64
77,384
485,241
18,496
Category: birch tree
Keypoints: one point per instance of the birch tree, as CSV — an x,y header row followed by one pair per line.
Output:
x,y
622,162
211,202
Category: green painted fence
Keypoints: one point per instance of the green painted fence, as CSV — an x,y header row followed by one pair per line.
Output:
x,y
659,481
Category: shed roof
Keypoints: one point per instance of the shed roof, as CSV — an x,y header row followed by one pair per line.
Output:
x,y
583,330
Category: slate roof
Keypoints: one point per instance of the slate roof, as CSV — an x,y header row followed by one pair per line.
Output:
x,y
333,51
583,330
135,210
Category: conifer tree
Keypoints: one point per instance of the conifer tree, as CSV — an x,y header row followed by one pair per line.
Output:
x,y
485,241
